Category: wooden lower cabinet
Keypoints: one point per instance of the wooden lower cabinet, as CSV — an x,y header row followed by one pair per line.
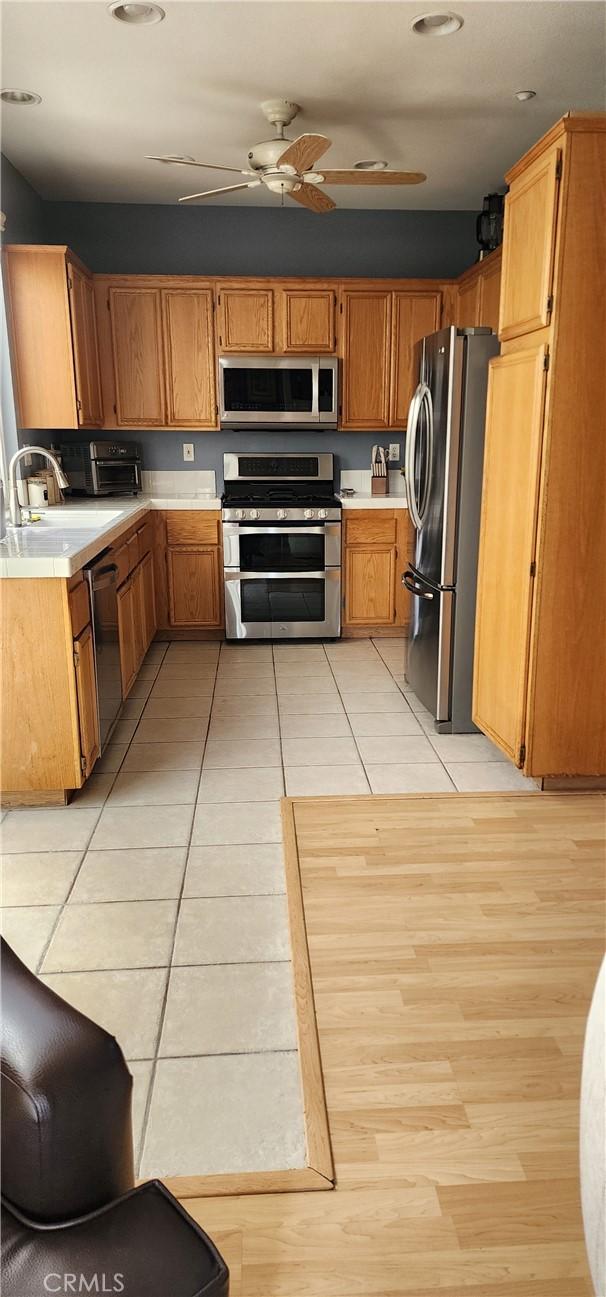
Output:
x,y
126,635
194,586
136,620
188,572
86,691
49,727
376,546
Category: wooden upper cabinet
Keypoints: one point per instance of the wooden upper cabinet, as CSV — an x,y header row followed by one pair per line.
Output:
x,y
86,350
366,343
512,457
52,333
190,358
136,334
468,303
414,316
531,209
309,319
245,318
490,292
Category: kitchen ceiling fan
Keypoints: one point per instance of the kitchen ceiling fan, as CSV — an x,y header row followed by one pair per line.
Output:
x,y
289,167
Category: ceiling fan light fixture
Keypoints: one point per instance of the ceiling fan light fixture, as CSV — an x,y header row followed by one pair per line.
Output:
x,y
437,24
371,164
137,15
21,97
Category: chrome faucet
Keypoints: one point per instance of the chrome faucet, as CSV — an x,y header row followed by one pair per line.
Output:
x,y
13,498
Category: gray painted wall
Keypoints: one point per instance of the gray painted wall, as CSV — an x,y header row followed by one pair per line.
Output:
x,y
158,239
23,207
115,238
165,449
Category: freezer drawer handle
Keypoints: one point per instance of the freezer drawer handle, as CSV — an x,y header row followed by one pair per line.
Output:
x,y
410,583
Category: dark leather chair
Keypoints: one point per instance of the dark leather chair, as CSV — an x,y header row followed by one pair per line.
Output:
x,y
72,1220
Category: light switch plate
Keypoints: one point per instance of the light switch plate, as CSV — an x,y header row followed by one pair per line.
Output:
x,y
188,450
394,450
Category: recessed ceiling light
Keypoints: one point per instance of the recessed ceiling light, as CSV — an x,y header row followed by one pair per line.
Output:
x,y
371,164
440,24
138,15
20,97
523,95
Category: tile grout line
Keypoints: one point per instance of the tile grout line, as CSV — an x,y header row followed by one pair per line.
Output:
x,y
162,1014
348,719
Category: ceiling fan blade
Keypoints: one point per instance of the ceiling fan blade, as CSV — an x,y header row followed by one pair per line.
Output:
x,y
315,199
304,151
189,162
357,177
211,193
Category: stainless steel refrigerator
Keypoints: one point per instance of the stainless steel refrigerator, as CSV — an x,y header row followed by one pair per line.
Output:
x,y
443,469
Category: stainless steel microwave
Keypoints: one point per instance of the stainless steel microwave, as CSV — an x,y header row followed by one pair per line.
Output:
x,y
298,391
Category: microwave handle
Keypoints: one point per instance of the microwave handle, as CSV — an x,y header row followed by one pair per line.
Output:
x,y
315,388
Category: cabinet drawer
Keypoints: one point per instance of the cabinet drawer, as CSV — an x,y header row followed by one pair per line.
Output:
x,y
192,527
120,558
79,607
370,527
144,536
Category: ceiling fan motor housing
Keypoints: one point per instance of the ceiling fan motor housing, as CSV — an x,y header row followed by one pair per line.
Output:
x,y
266,153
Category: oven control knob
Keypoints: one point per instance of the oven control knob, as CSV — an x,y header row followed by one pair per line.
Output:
x,y
253,513
308,513
281,513
322,513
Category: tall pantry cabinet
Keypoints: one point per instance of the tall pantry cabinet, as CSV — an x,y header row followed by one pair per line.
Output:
x,y
539,689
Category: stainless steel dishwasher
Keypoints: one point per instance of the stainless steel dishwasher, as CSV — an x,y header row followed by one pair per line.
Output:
x,y
102,579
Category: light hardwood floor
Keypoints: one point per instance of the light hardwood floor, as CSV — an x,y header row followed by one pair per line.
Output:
x,y
454,943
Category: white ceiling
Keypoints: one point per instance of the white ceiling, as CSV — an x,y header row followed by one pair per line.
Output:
x,y
193,83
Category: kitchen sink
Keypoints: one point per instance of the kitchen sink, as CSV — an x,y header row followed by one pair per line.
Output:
x,y
57,517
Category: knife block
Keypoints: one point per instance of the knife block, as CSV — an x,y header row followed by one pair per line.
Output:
x,y
378,486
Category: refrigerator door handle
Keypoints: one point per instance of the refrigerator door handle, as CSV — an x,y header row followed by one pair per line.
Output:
x,y
421,398
409,582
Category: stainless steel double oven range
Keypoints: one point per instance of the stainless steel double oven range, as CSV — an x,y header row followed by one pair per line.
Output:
x,y
281,547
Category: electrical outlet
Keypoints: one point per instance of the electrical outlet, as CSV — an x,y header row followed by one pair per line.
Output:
x,y
188,450
394,450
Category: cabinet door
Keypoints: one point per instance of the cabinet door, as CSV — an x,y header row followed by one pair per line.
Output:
x,y
512,455
86,691
86,351
149,601
414,316
531,208
490,296
366,358
126,635
136,326
139,616
468,304
309,320
194,590
370,576
245,319
191,400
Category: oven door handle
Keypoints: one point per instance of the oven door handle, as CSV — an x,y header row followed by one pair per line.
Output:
x,y
288,529
235,574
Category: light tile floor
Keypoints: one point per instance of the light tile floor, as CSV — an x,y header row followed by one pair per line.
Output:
x,y
155,902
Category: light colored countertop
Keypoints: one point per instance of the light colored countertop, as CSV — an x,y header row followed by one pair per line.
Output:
x,y
362,501
71,535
